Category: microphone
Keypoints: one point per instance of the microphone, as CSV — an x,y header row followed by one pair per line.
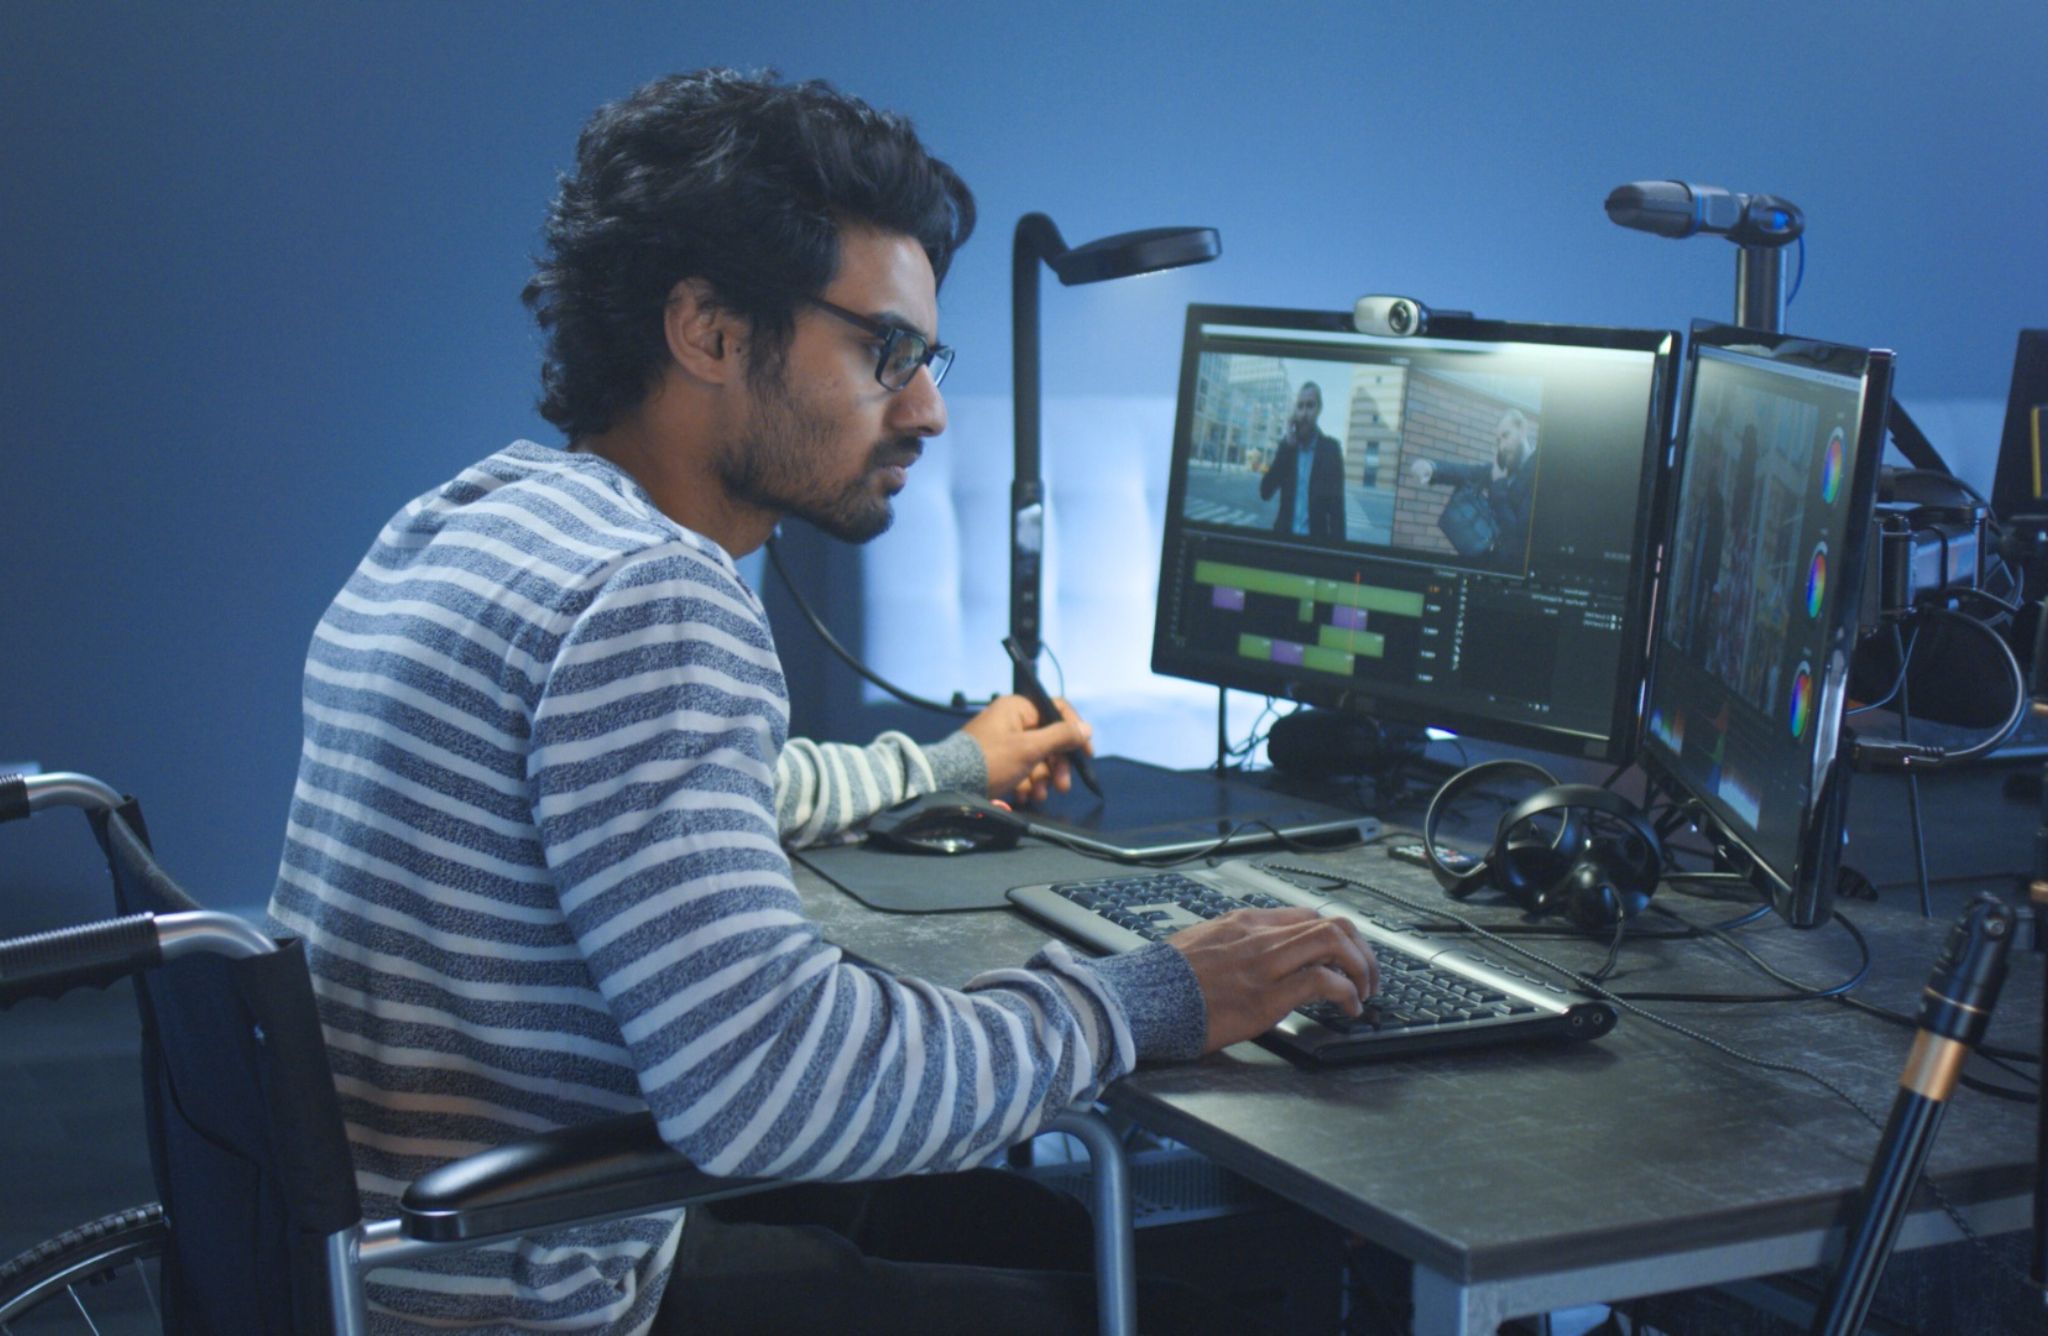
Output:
x,y
1955,1011
1681,209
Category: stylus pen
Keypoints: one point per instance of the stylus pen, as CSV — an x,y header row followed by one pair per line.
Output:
x,y
1049,713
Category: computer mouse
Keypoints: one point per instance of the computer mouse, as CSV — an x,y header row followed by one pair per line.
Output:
x,y
945,823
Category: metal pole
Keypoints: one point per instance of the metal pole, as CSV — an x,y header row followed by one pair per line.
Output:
x,y
1760,288
1036,237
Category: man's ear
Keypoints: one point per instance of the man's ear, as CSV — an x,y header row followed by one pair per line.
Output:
x,y
707,340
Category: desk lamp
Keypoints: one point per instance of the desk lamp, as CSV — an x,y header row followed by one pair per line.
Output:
x,y
1120,256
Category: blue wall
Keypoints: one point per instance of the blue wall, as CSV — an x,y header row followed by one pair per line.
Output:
x,y
262,263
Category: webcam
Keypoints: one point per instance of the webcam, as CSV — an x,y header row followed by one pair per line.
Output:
x,y
1400,317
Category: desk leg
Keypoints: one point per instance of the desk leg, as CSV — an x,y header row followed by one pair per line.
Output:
x,y
1444,1307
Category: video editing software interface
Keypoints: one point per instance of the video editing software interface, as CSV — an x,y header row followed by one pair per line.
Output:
x,y
1777,458
1450,531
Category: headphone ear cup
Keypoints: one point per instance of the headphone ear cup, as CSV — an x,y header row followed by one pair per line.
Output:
x,y
1529,868
1592,901
1601,867
1613,879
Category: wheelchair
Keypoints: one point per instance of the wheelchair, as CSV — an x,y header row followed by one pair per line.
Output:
x,y
259,1228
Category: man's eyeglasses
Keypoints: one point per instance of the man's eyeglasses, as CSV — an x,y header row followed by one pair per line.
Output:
x,y
903,350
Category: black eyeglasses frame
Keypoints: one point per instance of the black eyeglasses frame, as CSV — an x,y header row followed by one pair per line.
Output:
x,y
937,356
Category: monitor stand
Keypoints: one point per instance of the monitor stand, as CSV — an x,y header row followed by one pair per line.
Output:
x,y
1149,811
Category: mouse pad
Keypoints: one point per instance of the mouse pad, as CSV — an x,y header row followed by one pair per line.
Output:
x,y
938,883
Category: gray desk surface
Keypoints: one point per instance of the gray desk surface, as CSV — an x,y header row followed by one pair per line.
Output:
x,y
1488,1166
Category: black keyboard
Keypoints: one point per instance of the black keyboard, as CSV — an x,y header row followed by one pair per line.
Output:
x,y
1433,995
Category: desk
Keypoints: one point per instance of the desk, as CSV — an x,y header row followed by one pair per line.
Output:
x,y
1519,1181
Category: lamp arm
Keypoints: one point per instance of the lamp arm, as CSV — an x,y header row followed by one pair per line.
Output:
x,y
1037,240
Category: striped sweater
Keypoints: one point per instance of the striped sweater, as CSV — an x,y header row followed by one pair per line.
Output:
x,y
536,850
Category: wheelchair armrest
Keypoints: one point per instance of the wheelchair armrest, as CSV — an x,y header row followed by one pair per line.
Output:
x,y
593,1171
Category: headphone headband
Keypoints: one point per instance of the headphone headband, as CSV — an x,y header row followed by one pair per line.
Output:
x,y
1463,884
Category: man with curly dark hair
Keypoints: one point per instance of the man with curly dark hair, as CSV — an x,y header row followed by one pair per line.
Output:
x,y
537,845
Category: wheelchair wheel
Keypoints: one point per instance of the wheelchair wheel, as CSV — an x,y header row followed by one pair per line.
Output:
x,y
104,1272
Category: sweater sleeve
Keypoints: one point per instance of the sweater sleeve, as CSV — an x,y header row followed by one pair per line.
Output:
x,y
823,788
759,1048
1460,473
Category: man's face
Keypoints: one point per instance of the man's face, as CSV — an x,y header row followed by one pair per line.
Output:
x,y
1308,406
824,441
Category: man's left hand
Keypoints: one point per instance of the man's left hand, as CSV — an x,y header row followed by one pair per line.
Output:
x,y
1026,762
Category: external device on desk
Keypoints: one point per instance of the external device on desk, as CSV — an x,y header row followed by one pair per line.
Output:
x,y
1147,811
1433,995
1776,459
1451,529
945,823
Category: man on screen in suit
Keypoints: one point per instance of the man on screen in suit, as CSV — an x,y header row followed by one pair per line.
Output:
x,y
1308,473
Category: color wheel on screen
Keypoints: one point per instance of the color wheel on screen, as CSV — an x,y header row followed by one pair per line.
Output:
x,y
1831,465
1817,580
1802,699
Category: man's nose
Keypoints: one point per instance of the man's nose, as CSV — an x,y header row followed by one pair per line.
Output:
x,y
918,408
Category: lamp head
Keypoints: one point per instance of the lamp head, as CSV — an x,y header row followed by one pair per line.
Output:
x,y
1142,252
1121,256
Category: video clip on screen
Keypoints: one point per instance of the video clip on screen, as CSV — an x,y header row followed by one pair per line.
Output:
x,y
1776,464
1452,531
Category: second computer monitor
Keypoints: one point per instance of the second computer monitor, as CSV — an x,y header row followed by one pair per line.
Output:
x,y
1453,530
1777,458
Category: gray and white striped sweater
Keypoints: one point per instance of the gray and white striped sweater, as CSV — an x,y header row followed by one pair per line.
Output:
x,y
536,852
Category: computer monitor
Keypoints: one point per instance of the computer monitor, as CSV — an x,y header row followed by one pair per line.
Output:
x,y
1452,530
1776,460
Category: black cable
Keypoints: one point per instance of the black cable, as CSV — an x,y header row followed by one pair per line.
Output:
x,y
1242,751
1913,782
959,710
1996,1091
1875,755
1613,949
2009,610
1059,672
1804,993
1905,654
1906,1022
2021,698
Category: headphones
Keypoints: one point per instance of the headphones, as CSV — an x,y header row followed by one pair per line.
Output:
x,y
1600,866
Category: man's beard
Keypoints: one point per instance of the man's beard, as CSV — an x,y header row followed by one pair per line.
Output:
x,y
775,466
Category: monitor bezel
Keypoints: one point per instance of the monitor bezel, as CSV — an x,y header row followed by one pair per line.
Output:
x,y
1803,894
2012,479
1618,742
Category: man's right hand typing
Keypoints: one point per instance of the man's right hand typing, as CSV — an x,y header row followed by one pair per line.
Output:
x,y
1256,965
